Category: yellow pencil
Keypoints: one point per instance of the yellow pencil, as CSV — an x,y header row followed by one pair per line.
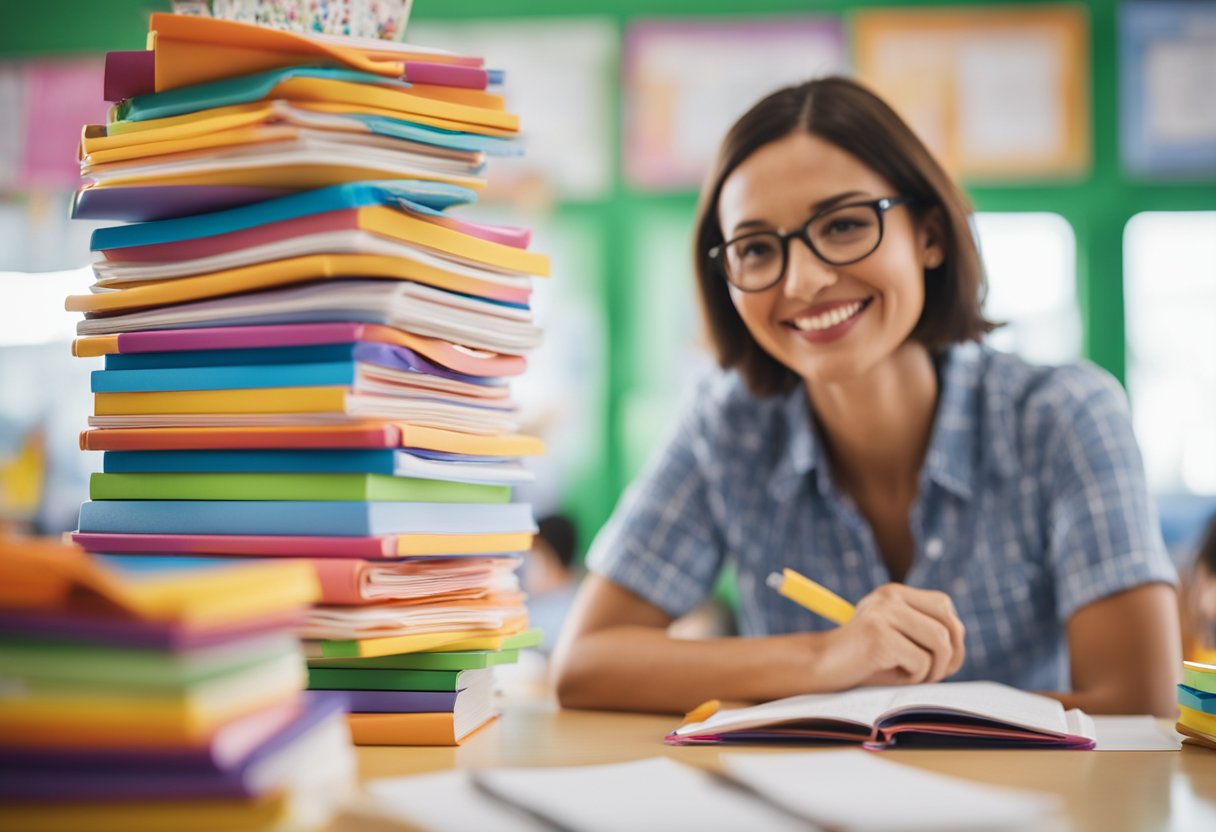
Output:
x,y
816,598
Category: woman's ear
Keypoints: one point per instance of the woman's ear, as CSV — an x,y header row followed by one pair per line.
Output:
x,y
931,238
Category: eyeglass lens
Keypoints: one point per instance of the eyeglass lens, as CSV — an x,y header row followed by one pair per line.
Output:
x,y
839,236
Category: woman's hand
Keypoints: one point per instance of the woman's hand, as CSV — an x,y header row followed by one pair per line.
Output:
x,y
898,636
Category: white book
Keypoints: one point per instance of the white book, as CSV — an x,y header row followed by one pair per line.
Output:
x,y
116,274
413,307
380,156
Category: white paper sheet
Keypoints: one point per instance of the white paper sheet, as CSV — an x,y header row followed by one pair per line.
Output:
x,y
448,802
858,790
657,794
1133,733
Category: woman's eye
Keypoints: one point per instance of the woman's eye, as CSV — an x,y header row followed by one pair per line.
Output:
x,y
756,248
844,226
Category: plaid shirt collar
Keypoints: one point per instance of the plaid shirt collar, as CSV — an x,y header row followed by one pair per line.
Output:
x,y
968,427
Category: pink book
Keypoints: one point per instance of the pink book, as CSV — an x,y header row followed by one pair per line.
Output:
x,y
418,581
295,229
299,546
461,359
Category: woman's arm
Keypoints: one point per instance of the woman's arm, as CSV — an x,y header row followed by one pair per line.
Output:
x,y
1126,653
615,654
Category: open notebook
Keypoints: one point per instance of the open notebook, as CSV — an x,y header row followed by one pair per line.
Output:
x,y
950,714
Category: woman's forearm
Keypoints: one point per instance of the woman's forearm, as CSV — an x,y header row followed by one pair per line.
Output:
x,y
640,668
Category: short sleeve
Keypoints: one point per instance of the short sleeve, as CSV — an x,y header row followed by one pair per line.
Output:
x,y
1104,536
661,542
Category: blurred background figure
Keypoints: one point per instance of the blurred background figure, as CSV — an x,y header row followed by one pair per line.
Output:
x,y
550,574
1199,601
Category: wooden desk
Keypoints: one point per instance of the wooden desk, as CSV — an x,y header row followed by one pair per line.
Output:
x,y
1104,791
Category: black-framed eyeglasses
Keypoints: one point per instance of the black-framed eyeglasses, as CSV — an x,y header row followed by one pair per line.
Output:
x,y
838,235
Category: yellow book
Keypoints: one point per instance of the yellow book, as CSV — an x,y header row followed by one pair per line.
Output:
x,y
256,400
365,648
275,274
201,122
1204,723
63,715
50,577
271,812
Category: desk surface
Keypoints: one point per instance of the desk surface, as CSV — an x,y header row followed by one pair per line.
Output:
x,y
1103,790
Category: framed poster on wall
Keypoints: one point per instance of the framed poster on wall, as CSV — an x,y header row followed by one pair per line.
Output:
x,y
1167,88
998,93
686,82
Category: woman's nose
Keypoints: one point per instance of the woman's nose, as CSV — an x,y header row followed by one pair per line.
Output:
x,y
805,273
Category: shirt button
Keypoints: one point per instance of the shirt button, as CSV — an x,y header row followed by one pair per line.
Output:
x,y
934,548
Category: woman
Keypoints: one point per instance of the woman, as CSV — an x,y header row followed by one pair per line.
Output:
x,y
989,518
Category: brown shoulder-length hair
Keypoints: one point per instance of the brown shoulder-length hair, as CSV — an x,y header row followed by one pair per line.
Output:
x,y
848,115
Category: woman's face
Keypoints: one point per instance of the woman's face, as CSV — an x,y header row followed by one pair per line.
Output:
x,y
826,323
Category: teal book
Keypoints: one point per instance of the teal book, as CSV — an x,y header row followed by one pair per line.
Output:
x,y
264,486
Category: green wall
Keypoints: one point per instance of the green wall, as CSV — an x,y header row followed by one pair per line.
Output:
x,y
1098,206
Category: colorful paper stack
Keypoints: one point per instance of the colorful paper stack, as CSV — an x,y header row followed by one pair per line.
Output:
x,y
320,374
1197,704
140,696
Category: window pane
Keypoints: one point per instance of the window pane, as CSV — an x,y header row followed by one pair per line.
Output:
x,y
1170,296
1030,259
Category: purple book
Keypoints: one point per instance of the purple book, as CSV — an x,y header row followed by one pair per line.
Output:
x,y
75,776
124,632
143,203
395,701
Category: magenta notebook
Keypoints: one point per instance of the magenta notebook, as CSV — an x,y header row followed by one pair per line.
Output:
x,y
237,544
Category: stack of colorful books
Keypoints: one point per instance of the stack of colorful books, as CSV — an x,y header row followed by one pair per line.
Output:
x,y
319,374
1197,704
143,695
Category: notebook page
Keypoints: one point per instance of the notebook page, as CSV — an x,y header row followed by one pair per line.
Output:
x,y
838,789
990,700
860,705
657,793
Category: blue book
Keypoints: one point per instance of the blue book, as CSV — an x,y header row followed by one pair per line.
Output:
x,y
382,355
416,195
145,372
322,518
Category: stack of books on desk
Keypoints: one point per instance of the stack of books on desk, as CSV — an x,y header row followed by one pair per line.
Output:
x,y
151,695
1197,704
318,370
435,696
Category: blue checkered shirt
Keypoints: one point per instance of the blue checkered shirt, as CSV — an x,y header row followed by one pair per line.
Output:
x,y
1032,504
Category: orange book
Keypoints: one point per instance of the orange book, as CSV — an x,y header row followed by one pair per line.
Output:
x,y
410,729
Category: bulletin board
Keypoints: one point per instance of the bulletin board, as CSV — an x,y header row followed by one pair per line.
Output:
x,y
561,78
687,81
998,93
1167,84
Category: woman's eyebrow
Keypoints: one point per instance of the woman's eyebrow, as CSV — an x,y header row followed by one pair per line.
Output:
x,y
816,207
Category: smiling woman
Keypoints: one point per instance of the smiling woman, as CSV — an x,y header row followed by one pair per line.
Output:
x,y
988,517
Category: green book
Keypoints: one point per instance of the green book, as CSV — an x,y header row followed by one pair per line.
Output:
x,y
521,641
461,660
95,666
340,678
261,486
1199,680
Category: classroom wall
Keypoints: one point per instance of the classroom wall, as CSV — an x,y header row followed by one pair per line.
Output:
x,y
637,326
